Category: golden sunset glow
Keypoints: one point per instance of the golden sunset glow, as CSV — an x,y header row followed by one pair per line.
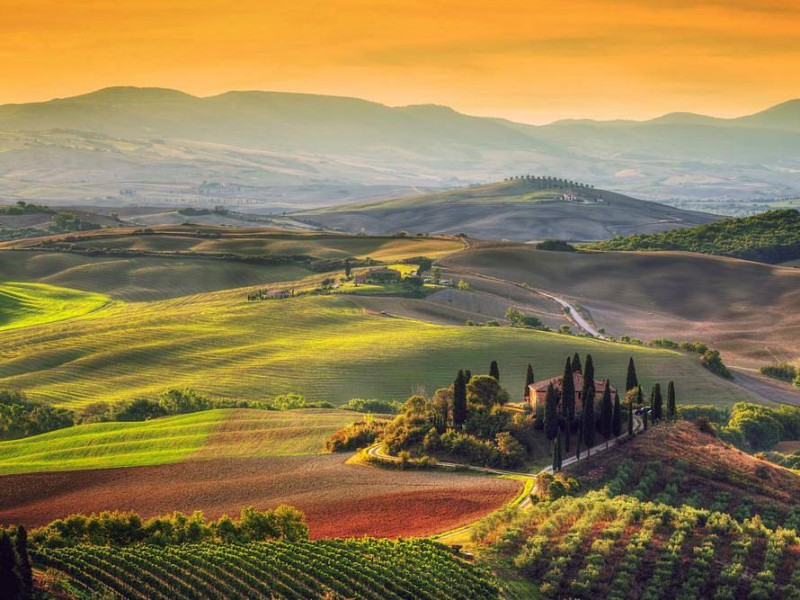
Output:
x,y
533,61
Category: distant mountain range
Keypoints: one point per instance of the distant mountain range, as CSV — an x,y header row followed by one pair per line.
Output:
x,y
282,150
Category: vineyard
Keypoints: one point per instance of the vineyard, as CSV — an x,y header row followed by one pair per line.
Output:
x,y
365,568
623,548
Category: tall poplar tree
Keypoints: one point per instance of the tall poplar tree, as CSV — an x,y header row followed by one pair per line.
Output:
x,y
24,564
576,363
568,402
528,382
459,400
658,403
672,407
617,418
588,370
631,381
588,417
551,414
606,414
494,370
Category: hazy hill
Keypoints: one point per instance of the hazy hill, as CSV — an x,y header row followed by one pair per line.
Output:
x,y
519,209
280,149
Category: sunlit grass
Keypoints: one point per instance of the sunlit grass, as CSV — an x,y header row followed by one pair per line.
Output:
x,y
27,304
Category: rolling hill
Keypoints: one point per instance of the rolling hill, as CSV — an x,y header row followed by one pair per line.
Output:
x,y
519,209
745,309
279,151
673,513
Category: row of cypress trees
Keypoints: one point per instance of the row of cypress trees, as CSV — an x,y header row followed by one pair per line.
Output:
x,y
16,574
460,392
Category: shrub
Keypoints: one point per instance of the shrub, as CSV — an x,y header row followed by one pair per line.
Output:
x,y
355,436
704,425
20,417
783,371
288,401
179,401
373,406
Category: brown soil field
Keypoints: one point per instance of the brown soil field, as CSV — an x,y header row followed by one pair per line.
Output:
x,y
339,500
746,309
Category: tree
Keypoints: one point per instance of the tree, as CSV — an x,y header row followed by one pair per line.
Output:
x,y
617,417
576,363
588,416
588,370
578,439
551,413
494,370
9,582
484,390
630,418
644,418
607,414
459,400
437,275
24,564
557,453
631,381
672,409
467,375
347,268
568,401
528,382
658,403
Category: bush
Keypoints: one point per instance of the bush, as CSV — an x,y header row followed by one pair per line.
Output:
x,y
288,401
783,371
138,410
520,319
175,401
704,425
373,406
355,436
712,361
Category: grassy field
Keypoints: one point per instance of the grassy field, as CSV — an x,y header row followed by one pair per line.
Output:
x,y
325,347
223,433
254,242
26,304
141,278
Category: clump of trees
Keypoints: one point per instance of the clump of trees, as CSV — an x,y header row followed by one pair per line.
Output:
x,y
128,528
519,319
780,370
358,435
771,237
374,406
20,417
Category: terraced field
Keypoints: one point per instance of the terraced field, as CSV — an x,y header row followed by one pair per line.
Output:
x,y
220,434
326,347
369,569
27,304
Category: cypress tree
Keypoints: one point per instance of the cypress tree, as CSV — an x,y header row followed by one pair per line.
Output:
x,y
579,438
528,382
617,418
24,564
557,453
459,400
672,408
588,417
576,363
631,381
607,414
588,371
347,268
9,582
630,418
467,376
494,370
551,414
658,403
568,401
644,418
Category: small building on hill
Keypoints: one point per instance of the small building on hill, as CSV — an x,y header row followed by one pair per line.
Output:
x,y
537,391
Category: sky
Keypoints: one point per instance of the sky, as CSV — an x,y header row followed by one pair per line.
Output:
x,y
533,61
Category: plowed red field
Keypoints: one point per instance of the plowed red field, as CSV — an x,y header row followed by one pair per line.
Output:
x,y
339,500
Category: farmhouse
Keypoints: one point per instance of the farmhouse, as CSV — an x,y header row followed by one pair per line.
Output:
x,y
382,275
538,390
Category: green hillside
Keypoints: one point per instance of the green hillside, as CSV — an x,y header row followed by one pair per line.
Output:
x,y
772,237
27,304
222,433
326,347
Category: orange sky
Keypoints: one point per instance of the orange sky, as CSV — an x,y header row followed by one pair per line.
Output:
x,y
534,60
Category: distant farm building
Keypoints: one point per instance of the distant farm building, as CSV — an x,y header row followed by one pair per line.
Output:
x,y
537,391
378,276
